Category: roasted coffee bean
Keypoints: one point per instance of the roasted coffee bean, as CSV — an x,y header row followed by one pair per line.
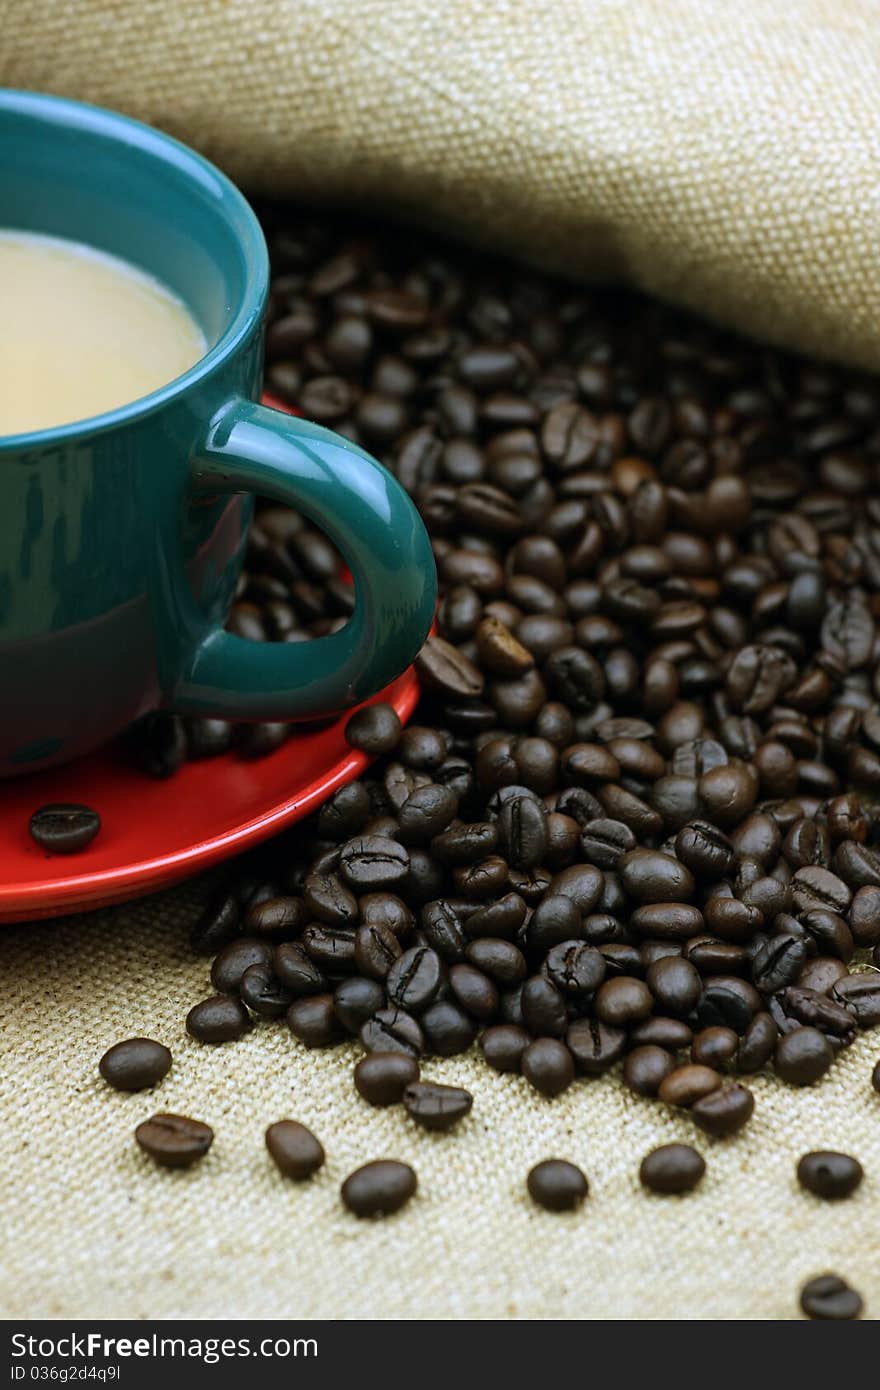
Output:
x,y
296,971
435,1106
685,1085
821,973
332,949
372,862
605,842
263,992
276,918
503,1046
724,1112
705,850
556,919
595,1046
758,1044
217,925
830,1298
669,1033
382,1077
860,995
376,948
728,1001
622,1001
448,1030
646,1067
714,1047
557,1185
356,1000
777,962
474,991
675,984
803,1056
465,844
259,740
544,1009
414,979
329,900
64,827
829,1174
393,1030
374,729
174,1141
815,887
548,1065
445,669
672,1168
864,916
650,876
667,921
817,1011
313,1020
158,744
231,963
379,1188
875,1077
502,961
575,968
135,1065
294,1149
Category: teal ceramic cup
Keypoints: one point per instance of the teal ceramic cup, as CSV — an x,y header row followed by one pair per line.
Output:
x,y
122,536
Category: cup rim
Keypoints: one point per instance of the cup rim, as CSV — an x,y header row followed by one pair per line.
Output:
x,y
231,202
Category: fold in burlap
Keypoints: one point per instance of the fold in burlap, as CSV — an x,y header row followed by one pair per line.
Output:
x,y
721,154
97,1230
724,155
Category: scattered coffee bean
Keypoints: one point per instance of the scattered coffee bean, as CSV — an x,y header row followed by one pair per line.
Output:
x,y
382,1077
557,1185
672,1168
723,1112
830,1298
294,1149
174,1141
379,1188
435,1106
829,1174
219,1019
135,1065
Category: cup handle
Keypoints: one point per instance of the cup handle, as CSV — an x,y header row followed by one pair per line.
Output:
x,y
369,517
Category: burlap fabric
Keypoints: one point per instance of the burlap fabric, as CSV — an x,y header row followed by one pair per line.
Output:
x,y
93,1228
722,154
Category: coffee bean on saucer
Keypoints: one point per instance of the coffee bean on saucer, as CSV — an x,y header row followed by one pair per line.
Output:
x,y
294,1149
557,1185
672,1168
435,1106
374,729
174,1141
830,1298
135,1065
64,827
379,1188
829,1174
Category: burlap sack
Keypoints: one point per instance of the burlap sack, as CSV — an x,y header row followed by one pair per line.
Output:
x,y
721,154
96,1230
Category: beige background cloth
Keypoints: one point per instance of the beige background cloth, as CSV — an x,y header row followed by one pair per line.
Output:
x,y
722,153
97,1230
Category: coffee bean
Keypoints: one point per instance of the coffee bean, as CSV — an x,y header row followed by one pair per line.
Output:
x,y
705,850
174,1141
829,1174
675,985
474,991
669,1033
646,1067
860,994
575,968
313,1020
218,1019
331,949
443,668
548,1065
803,1056
263,993
231,963
543,1008
714,1047
815,887
382,1077
723,1112
64,827
294,1149
830,1298
557,1185
688,1084
672,1168
622,1001
447,1028
503,1046
650,876
435,1106
355,1001
371,862
296,971
728,1001
393,1030
135,1065
276,918
414,979
757,1044
875,1077
379,1188
328,899
595,1046
374,729
217,925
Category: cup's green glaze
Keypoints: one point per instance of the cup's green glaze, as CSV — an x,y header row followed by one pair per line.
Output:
x,y
122,536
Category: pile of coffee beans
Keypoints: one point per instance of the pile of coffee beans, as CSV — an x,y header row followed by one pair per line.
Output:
x,y
635,818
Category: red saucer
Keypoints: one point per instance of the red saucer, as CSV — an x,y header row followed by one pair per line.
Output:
x,y
155,833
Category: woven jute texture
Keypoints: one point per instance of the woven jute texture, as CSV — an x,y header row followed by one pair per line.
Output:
x,y
721,154
94,1229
